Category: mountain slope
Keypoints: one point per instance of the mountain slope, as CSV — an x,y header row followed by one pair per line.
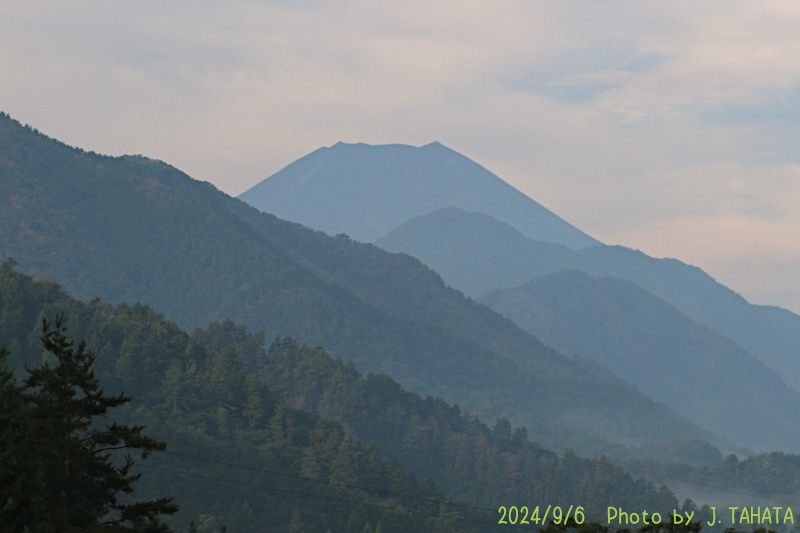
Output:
x,y
671,358
130,229
366,191
476,253
219,393
214,415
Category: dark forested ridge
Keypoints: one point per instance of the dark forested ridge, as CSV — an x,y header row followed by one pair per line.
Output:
x,y
240,419
670,357
132,229
475,253
470,461
216,416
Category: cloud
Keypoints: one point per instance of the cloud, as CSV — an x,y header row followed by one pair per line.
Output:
x,y
668,126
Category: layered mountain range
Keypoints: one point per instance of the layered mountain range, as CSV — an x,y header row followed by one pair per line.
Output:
x,y
366,191
475,253
726,351
657,362
133,229
648,342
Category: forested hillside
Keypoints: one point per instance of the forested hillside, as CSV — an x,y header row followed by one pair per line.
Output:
x,y
296,468
771,478
253,443
132,229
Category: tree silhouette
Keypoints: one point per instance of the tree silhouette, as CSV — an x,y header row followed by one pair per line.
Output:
x,y
78,455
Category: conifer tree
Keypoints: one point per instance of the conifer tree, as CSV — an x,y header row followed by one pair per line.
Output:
x,y
78,454
19,476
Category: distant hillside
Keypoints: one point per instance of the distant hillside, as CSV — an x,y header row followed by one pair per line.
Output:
x,y
476,253
670,357
366,191
220,394
133,229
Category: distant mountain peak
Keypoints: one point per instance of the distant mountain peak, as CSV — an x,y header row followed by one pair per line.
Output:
x,y
368,190
436,145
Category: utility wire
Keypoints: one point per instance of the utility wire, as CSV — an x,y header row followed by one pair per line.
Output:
x,y
410,497
558,454
341,500
344,485
338,500
406,496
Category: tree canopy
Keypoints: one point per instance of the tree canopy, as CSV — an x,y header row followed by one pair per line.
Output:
x,y
61,463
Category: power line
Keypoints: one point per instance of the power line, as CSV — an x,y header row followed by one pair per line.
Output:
x,y
344,485
428,500
543,450
341,500
338,500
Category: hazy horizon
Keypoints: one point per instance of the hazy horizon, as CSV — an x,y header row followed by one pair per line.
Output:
x,y
665,127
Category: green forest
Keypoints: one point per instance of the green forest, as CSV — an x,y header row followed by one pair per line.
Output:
x,y
284,436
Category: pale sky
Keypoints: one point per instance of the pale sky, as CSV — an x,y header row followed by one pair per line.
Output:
x,y
671,127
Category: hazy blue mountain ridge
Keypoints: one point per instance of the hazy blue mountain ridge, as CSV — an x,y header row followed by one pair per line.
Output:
x,y
475,253
670,357
365,191
133,229
400,285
